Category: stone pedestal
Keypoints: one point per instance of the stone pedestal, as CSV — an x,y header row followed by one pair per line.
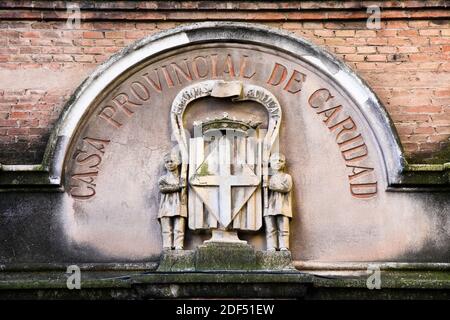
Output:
x,y
177,260
225,256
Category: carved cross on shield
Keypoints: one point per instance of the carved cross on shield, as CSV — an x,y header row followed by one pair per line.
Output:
x,y
215,189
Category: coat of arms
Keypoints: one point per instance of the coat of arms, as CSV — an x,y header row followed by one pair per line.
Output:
x,y
224,180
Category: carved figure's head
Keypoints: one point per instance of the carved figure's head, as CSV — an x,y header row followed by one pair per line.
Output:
x,y
172,160
277,161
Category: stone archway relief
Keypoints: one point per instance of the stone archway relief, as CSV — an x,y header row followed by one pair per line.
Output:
x,y
182,77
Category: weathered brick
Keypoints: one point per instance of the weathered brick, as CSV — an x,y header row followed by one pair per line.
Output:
x,y
375,57
424,130
429,32
407,33
407,49
365,33
93,35
114,34
344,33
345,49
423,109
366,49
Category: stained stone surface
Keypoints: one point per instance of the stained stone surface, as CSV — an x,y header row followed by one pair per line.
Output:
x,y
220,256
340,160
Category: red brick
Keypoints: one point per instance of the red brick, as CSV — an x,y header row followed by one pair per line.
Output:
x,y
407,49
429,32
423,109
345,49
366,49
397,25
344,33
18,131
84,58
365,33
443,129
104,42
324,33
376,41
114,34
375,57
31,34
19,115
424,130
93,35
407,33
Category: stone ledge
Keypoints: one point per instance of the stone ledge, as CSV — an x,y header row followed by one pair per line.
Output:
x,y
145,285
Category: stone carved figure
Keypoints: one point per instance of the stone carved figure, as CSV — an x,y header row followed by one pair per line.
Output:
x,y
279,212
171,214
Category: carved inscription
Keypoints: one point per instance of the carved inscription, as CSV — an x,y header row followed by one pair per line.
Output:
x,y
173,74
280,73
354,151
88,159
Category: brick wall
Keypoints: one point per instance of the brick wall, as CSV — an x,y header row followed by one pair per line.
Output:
x,y
406,62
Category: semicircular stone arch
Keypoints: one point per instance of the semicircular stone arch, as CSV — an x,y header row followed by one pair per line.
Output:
x,y
138,54
341,147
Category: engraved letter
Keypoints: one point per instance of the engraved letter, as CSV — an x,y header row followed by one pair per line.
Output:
x,y
94,158
352,154
229,66
330,116
358,171
345,129
363,190
107,113
121,101
82,196
196,69
319,98
98,144
167,76
186,74
276,78
153,84
214,65
242,69
295,82
140,91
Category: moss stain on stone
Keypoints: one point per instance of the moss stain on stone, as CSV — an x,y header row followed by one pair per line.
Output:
x,y
204,170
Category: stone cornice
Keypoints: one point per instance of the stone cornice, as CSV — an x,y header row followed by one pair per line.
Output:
x,y
223,10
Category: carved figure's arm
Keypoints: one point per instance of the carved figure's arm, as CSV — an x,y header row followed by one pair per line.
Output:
x,y
165,187
284,186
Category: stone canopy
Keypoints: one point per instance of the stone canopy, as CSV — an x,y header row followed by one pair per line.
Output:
x,y
105,154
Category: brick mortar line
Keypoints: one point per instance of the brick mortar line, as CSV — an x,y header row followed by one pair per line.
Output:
x,y
235,5
195,9
193,15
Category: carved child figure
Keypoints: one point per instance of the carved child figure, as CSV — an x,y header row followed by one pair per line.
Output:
x,y
171,215
279,211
